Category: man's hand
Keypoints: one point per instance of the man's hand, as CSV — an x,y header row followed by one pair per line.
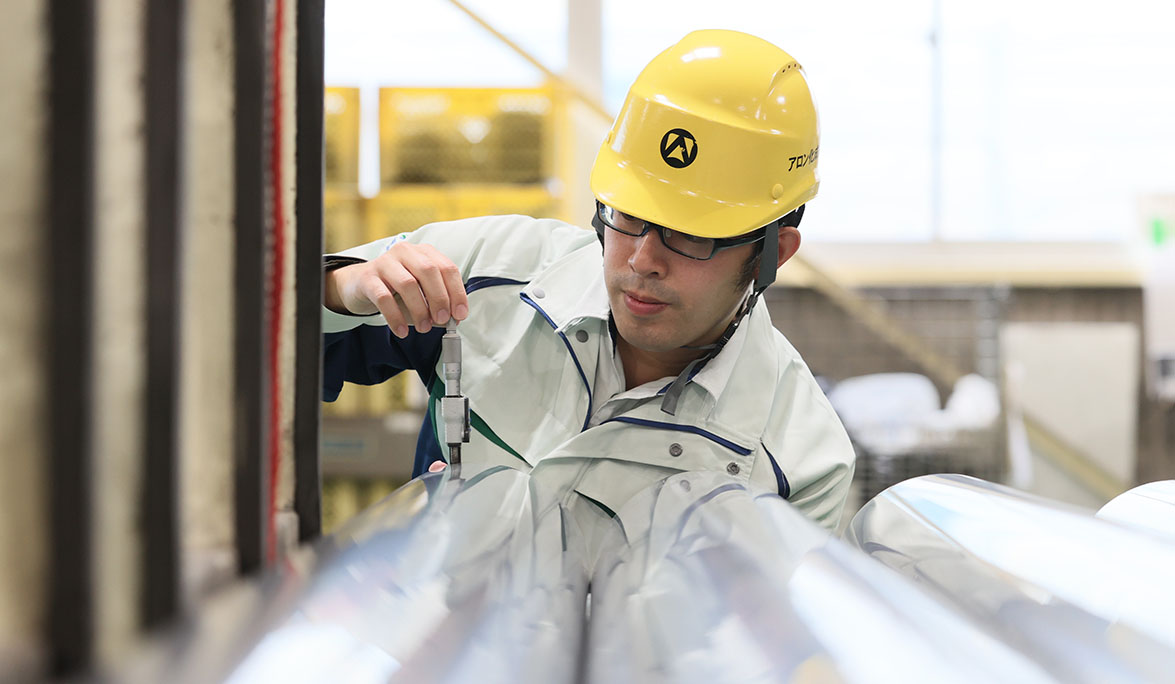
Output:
x,y
409,284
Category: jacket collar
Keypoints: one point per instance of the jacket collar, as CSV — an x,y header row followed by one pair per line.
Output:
x,y
572,289
715,375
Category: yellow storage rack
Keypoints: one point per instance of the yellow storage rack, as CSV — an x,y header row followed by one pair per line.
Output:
x,y
467,135
344,219
405,208
341,131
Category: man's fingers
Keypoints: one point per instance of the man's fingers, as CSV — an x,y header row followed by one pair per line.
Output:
x,y
423,265
415,285
404,284
458,300
386,301
437,466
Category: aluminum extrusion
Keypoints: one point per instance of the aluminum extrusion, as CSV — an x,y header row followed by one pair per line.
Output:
x,y
1089,600
1149,507
726,586
445,580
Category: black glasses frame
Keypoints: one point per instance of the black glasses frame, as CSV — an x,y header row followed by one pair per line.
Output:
x,y
718,244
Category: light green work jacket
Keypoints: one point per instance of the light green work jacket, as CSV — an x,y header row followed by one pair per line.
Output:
x,y
533,342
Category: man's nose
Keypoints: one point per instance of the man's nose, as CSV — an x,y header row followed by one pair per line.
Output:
x,y
649,255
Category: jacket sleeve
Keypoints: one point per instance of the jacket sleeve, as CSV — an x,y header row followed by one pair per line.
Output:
x,y
813,448
362,350
368,355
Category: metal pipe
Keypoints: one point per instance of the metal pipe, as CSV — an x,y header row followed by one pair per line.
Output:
x,y
445,580
485,579
1092,601
722,585
1149,507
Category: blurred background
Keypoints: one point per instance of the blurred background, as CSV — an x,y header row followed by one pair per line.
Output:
x,y
986,283
997,201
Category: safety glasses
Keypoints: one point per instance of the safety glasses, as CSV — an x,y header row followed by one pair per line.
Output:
x,y
690,246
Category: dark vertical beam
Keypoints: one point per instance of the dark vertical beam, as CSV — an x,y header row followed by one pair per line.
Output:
x,y
68,263
308,154
251,376
160,493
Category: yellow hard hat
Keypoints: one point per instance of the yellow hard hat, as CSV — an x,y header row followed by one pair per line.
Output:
x,y
717,137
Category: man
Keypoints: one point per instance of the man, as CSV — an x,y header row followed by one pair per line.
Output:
x,y
612,369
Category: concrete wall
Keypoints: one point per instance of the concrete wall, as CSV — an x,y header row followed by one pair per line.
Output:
x,y
207,371
206,420
120,325
287,526
23,449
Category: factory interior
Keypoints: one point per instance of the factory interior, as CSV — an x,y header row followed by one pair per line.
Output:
x,y
985,294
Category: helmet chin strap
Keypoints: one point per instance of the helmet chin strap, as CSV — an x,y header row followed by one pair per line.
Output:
x,y
768,254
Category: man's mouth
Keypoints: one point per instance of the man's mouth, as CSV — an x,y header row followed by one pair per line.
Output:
x,y
643,305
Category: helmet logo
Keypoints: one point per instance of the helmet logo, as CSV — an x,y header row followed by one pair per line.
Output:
x,y
679,148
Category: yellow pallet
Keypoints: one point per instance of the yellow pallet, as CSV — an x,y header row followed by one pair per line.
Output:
x,y
394,394
404,209
341,133
345,497
391,395
340,503
343,220
348,404
536,201
466,135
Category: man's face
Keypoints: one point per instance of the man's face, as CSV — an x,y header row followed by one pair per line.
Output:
x,y
663,301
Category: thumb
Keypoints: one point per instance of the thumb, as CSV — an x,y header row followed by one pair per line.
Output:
x,y
437,466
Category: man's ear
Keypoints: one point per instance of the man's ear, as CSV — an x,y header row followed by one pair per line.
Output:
x,y
789,243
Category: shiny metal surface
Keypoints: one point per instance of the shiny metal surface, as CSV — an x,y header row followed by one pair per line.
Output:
x,y
1149,507
1089,600
485,579
723,586
446,580
454,406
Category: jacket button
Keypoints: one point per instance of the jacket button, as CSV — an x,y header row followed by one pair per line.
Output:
x,y
538,293
675,449
732,468
581,335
